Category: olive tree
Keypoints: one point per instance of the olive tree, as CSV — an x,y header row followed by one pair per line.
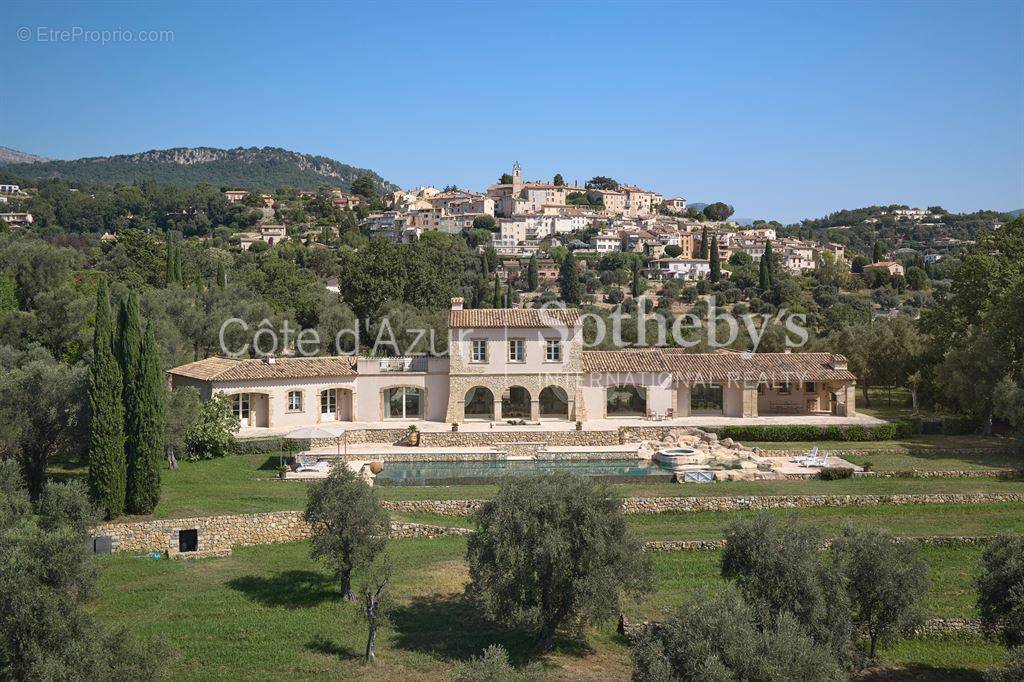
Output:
x,y
47,578
1001,588
886,580
349,525
553,549
779,568
721,638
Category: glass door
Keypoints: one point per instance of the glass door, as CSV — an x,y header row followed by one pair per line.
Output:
x,y
329,405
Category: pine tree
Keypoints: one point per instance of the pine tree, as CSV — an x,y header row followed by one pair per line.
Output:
x,y
716,261
532,276
704,245
106,415
496,294
569,280
143,487
129,352
222,275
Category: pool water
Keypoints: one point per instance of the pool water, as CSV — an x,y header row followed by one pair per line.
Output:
x,y
424,473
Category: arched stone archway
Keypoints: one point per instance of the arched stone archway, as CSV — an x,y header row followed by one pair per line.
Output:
x,y
554,403
479,404
515,403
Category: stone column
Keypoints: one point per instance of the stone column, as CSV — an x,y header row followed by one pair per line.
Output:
x,y
534,409
497,409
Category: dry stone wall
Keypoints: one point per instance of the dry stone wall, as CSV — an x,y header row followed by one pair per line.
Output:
x,y
218,533
658,505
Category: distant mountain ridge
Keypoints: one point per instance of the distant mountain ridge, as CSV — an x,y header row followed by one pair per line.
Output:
x,y
9,156
254,168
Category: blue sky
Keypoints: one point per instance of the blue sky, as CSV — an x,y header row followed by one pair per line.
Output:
x,y
785,110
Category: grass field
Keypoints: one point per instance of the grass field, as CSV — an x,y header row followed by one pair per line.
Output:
x,y
270,613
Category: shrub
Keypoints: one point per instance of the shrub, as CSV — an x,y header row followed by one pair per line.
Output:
x,y
212,434
835,473
1013,671
959,425
722,638
805,432
257,446
494,666
1001,588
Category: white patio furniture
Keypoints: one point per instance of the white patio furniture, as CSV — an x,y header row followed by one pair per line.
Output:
x,y
806,456
305,463
815,461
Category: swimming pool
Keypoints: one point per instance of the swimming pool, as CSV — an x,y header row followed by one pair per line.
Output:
x,y
465,472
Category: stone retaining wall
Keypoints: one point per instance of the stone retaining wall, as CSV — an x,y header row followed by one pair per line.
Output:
x,y
496,437
942,473
657,505
931,627
217,533
717,544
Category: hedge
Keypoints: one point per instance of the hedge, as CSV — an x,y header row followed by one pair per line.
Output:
x,y
256,446
804,432
835,473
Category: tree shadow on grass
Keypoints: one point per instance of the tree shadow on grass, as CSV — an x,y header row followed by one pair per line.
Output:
x,y
451,626
291,589
322,645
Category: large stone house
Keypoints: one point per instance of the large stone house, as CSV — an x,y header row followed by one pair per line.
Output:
x,y
523,364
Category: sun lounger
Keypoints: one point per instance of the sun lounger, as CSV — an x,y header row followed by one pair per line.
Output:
x,y
806,456
815,461
305,463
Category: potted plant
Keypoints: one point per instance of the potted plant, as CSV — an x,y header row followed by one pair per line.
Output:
x,y
579,426
283,470
455,426
414,435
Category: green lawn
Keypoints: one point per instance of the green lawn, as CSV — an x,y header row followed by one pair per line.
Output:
x,y
938,461
270,613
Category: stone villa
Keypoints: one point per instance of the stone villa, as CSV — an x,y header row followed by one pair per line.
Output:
x,y
525,364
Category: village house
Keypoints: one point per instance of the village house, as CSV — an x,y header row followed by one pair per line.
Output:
x,y
527,197
677,204
235,196
522,364
892,267
17,218
270,234
679,268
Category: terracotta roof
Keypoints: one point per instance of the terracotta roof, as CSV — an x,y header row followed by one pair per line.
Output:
x,y
721,365
482,318
230,369
646,361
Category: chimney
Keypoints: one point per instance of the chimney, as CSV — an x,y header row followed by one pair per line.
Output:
x,y
269,359
457,303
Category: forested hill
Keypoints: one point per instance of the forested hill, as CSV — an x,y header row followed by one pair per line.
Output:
x,y
255,168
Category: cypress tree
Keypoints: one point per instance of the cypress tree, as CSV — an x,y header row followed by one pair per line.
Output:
x,y
169,266
484,268
767,273
510,296
496,297
222,275
178,277
716,262
532,276
143,489
106,415
569,280
129,352
704,246
763,280
634,287
876,252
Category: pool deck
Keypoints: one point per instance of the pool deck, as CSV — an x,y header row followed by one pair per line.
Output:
x,y
366,451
